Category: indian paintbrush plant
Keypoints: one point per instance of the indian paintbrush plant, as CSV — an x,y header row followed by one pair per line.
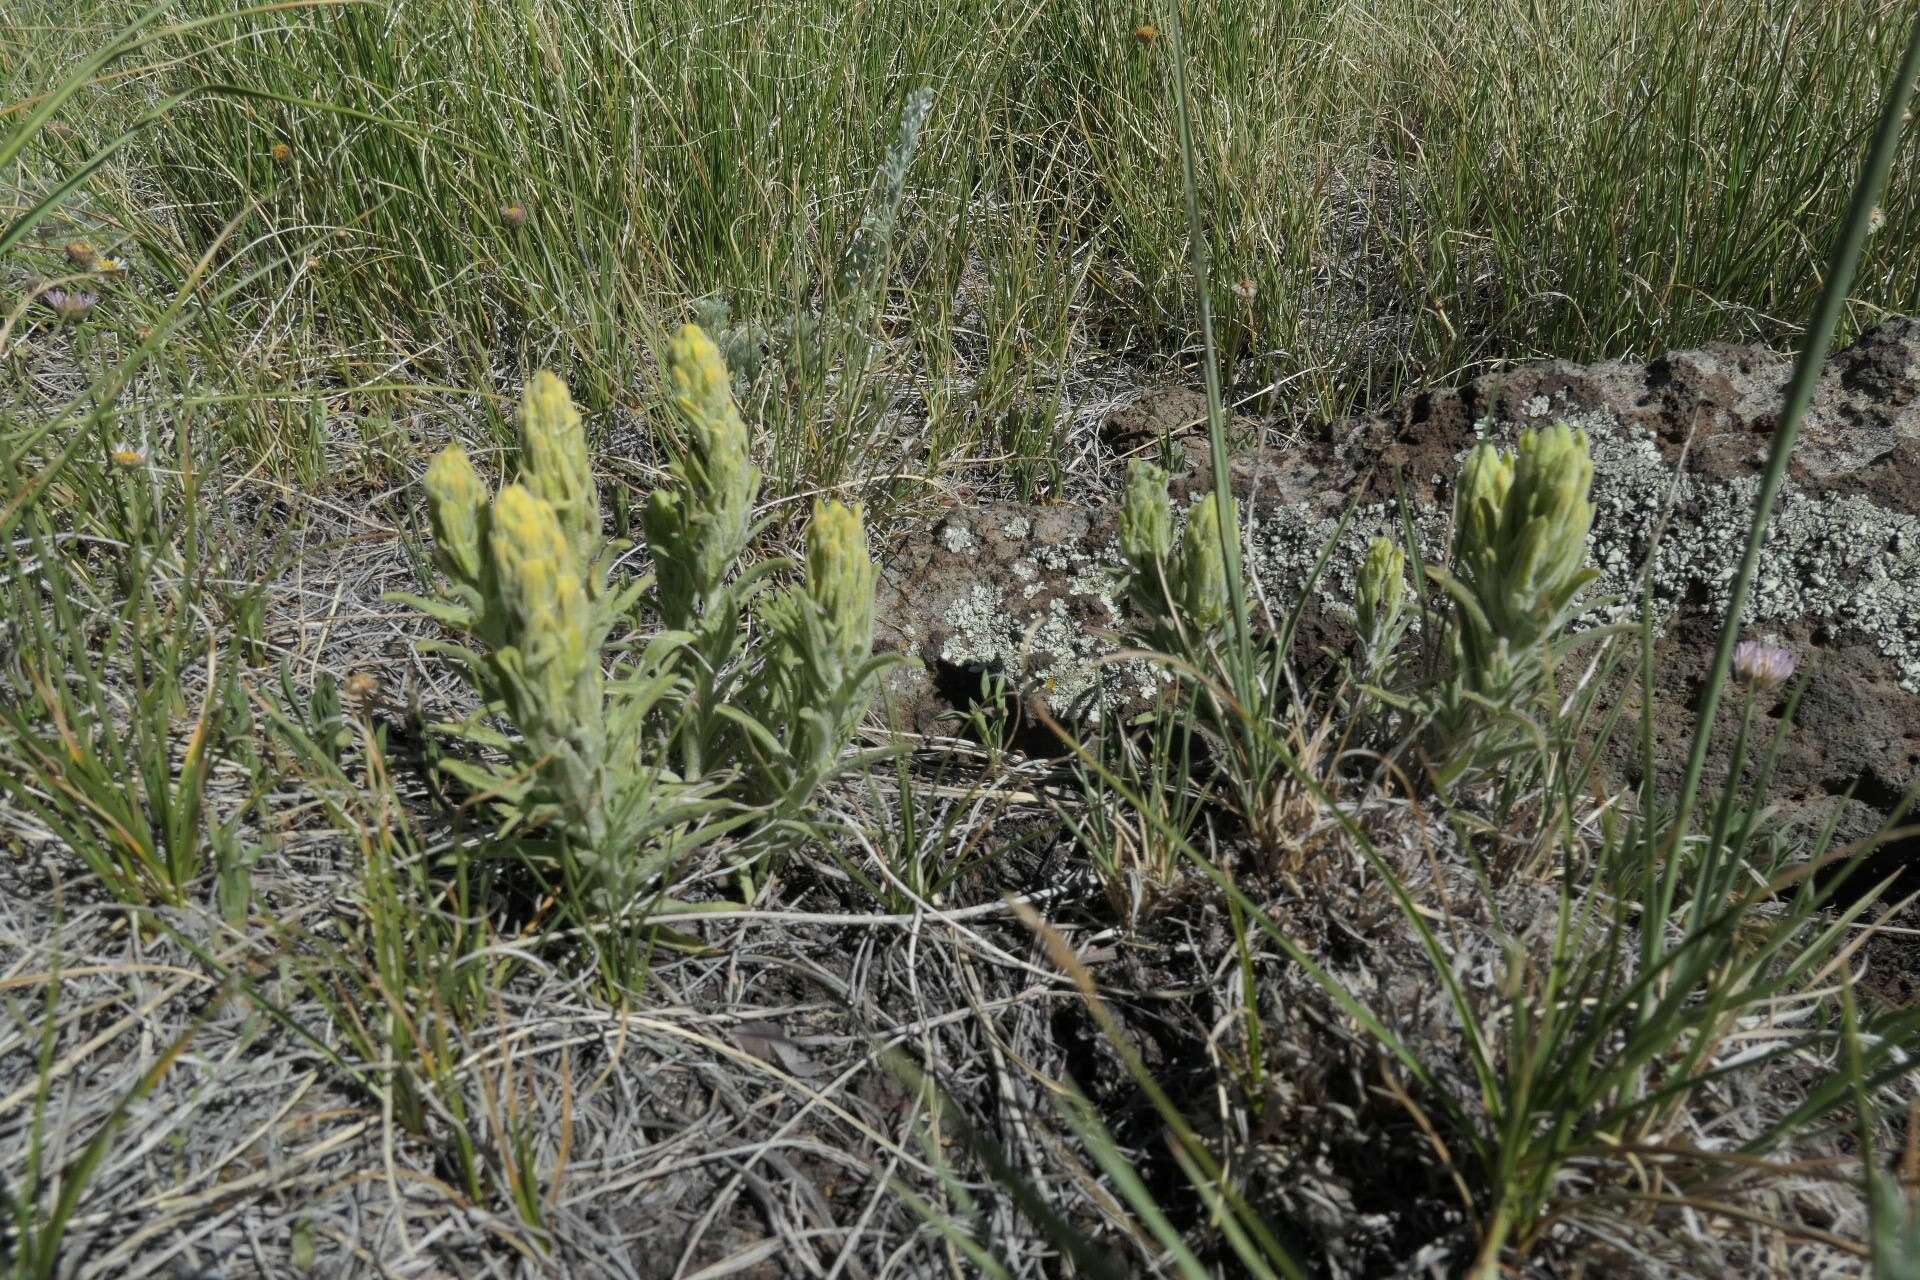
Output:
x,y
819,674
1519,552
613,776
697,527
1379,602
1179,588
1519,562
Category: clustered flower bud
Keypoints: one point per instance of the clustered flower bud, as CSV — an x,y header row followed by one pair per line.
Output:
x,y
698,526
553,444
1520,543
1176,586
543,594
840,578
457,509
1200,575
1146,533
1381,591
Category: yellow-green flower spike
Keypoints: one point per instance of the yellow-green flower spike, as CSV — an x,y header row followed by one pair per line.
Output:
x,y
1553,475
543,591
701,387
555,464
457,509
1382,588
699,526
1146,539
1200,577
840,578
1146,518
1520,542
1484,481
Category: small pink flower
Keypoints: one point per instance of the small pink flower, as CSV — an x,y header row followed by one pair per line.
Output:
x,y
69,305
1763,665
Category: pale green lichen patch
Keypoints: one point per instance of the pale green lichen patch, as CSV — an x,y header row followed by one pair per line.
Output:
x,y
1846,561
1061,651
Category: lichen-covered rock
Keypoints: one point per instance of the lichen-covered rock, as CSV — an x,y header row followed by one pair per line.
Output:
x,y
1029,594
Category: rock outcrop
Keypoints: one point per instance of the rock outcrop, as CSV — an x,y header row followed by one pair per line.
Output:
x,y
1026,594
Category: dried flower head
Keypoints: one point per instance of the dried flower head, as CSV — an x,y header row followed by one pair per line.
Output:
x,y
1762,664
69,304
513,213
362,686
282,152
1876,219
1146,33
81,254
1244,289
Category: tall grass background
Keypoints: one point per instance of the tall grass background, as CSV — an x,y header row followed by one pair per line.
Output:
x,y
1394,192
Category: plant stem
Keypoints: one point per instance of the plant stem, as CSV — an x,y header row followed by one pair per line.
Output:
x,y
1216,412
1806,374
